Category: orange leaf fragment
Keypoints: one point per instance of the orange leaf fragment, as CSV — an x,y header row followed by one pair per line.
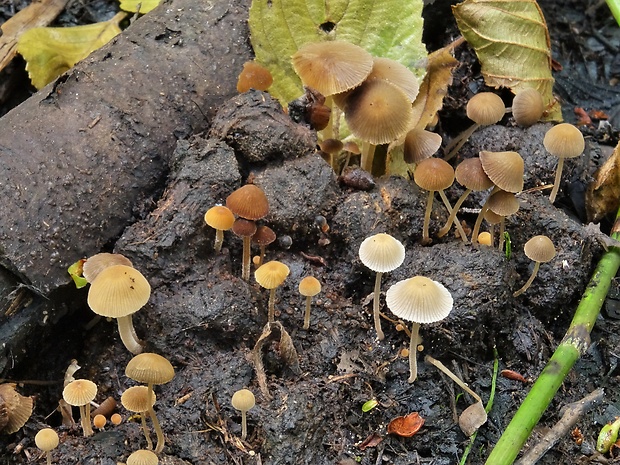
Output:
x,y
406,426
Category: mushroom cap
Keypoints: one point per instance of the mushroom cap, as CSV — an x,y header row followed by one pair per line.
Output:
x,y
331,146
309,286
99,262
505,169
564,140
484,238
135,399
142,457
243,400
503,203
527,106
469,173
382,253
150,368
433,174
540,249
420,144
46,439
254,76
333,66
17,408
79,392
248,202
271,274
419,299
485,108
378,112
220,217
264,235
492,218
118,291
99,421
244,228
396,73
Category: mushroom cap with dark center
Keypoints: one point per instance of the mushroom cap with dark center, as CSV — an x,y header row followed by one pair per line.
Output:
x,y
248,202
539,249
220,217
419,299
150,368
382,253
469,173
564,141
396,73
99,262
244,228
263,236
46,439
254,76
18,408
433,174
135,399
271,274
243,400
143,457
309,286
420,144
333,66
118,291
79,392
527,106
503,203
505,169
485,108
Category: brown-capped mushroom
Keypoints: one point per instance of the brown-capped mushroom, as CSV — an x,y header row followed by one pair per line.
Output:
x,y
419,145
245,229
80,393
271,275
539,249
221,219
99,421
503,204
142,457
309,287
263,236
527,107
99,262
243,400
563,141
254,76
396,73
15,409
47,440
138,399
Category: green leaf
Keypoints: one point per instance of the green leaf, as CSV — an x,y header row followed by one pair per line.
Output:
x,y
75,271
139,6
50,51
387,28
369,405
511,40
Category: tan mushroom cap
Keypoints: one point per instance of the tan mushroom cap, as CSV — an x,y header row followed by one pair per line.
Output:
x,y
485,108
243,400
79,392
46,439
150,368
503,203
264,235
331,146
420,144
396,73
333,66
527,106
382,253
272,274
492,218
142,457
309,286
539,249
433,174
469,173
378,112
248,202
18,408
99,262
254,76
118,291
135,399
419,299
564,141
505,169
244,228
220,217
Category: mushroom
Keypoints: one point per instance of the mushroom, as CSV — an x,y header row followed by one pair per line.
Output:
x,y
485,238
99,421
151,369
15,409
527,106
540,249
245,229
493,219
419,145
263,236
329,149
80,393
309,287
142,457
136,399
381,253
563,141
419,300
254,76
47,440
396,73
271,275
221,219
117,292
503,204
116,419
243,400
99,262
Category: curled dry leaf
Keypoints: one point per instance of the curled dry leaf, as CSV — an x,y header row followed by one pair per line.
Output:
x,y
371,441
603,194
406,426
472,418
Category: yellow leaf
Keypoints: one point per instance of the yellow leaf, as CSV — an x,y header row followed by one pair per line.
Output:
x,y
603,194
139,6
50,51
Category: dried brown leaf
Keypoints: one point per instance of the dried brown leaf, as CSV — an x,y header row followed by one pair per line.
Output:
x,y
603,194
371,441
472,418
406,426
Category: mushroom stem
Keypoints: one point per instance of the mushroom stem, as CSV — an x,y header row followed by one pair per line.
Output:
x,y
219,239
413,352
244,425
307,313
49,457
245,266
272,306
451,219
149,443
427,218
492,234
455,220
375,307
128,335
501,235
328,131
529,281
261,258
85,420
556,183
367,157
483,210
455,145
160,434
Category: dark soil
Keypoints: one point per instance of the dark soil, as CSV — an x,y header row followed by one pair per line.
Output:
x,y
207,320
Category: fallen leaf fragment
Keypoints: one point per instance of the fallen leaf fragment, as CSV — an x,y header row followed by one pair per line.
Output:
x,y
510,374
603,194
138,6
472,418
406,426
371,441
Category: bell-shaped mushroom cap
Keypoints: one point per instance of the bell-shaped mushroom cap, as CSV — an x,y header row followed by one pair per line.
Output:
x,y
272,274
135,399
17,409
46,439
331,146
220,217
485,108
420,144
79,392
99,262
254,76
118,291
150,368
248,202
243,400
433,174
142,457
333,66
492,218
505,169
382,253
503,203
309,286
244,228
378,112
564,141
540,249
469,173
419,299
264,235
396,73
527,106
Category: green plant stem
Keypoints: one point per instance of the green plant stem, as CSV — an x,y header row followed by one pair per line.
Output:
x,y
574,344
614,6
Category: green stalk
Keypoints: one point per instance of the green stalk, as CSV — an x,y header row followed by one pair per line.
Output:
x,y
574,344
614,6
